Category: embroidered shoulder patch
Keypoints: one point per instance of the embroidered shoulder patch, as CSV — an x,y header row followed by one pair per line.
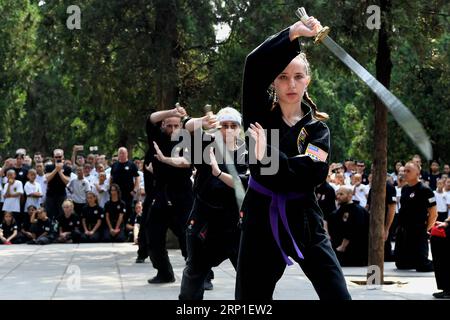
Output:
x,y
301,140
316,153
431,200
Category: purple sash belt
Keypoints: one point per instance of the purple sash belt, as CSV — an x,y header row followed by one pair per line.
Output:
x,y
278,209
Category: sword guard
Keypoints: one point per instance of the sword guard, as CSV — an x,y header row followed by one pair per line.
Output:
x,y
322,34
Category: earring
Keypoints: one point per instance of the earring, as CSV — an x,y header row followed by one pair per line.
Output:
x,y
274,96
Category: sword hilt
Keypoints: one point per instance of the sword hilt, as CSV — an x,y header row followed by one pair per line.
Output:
x,y
303,16
208,111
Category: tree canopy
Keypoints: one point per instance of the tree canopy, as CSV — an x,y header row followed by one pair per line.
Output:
x,y
95,85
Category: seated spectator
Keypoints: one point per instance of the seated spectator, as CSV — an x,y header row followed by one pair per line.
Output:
x,y
8,229
41,228
25,233
115,210
134,223
69,224
349,230
91,219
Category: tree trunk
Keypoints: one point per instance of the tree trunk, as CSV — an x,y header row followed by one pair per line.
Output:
x,y
166,37
377,212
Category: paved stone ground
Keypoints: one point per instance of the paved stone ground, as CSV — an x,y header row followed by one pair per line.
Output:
x,y
108,272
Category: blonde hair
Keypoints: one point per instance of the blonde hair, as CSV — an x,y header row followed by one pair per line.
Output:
x,y
69,202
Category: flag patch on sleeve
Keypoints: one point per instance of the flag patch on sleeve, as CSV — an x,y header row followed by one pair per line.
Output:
x,y
431,200
316,153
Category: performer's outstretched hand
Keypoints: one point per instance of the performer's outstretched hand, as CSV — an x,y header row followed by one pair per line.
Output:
x,y
159,155
257,132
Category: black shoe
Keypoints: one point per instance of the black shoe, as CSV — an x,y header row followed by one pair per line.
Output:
x,y
158,279
426,268
442,295
140,260
207,285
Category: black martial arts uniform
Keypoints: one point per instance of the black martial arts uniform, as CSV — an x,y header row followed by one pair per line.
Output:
x,y
411,245
172,202
391,198
92,215
351,222
213,233
440,249
149,185
70,224
43,231
326,198
8,231
115,209
261,262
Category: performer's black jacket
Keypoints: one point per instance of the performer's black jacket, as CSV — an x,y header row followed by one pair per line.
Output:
x,y
170,183
215,202
297,172
326,197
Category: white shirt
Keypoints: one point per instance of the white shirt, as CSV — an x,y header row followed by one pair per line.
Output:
x,y
360,194
398,195
441,201
448,201
29,189
12,204
102,196
78,189
42,180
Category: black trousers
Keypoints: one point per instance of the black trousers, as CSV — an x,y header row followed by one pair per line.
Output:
x,y
203,254
96,237
411,248
143,237
163,216
53,206
440,249
260,263
120,237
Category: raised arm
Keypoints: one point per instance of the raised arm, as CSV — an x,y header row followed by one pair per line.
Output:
x,y
159,116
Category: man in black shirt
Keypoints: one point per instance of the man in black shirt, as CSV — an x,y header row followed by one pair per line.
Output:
x,y
125,174
20,169
58,175
173,194
417,216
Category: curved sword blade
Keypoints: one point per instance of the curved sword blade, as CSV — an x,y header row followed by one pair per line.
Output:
x,y
401,114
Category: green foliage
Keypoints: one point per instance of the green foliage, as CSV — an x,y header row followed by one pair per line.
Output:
x,y
95,86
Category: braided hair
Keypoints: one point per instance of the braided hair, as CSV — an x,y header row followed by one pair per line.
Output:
x,y
322,116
